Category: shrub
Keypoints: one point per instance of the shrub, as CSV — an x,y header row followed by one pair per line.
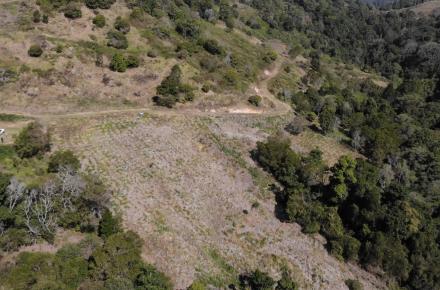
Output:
x,y
35,51
152,53
122,25
286,282
45,19
117,40
118,63
270,56
102,4
255,100
212,46
63,159
109,225
32,140
150,278
260,281
72,11
197,286
188,29
36,16
353,284
99,21
296,126
132,61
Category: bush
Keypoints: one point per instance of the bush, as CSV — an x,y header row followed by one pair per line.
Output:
x,y
296,126
117,40
188,29
35,51
99,21
72,11
260,281
122,25
102,4
255,100
212,46
132,61
118,63
36,16
63,159
31,141
152,53
45,19
109,225
353,284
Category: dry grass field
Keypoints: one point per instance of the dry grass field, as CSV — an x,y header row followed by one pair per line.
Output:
x,y
187,185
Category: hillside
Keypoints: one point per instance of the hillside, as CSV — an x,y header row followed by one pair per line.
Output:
x,y
213,144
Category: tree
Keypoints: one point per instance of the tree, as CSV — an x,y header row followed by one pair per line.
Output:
x,y
327,118
32,140
60,159
343,176
109,225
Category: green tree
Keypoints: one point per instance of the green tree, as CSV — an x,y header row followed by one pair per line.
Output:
x,y
32,140
118,63
109,225
63,159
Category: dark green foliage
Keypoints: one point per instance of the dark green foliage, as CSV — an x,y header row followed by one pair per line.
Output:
x,y
133,61
36,16
35,51
45,18
212,46
118,63
255,100
32,140
109,225
91,264
260,281
171,90
117,40
122,25
102,4
72,11
99,20
150,278
188,29
286,282
63,159
354,285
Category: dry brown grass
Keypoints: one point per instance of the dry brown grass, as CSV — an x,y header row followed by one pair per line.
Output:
x,y
183,182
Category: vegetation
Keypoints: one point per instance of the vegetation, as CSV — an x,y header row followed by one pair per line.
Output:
x,y
63,159
99,21
117,40
118,63
255,100
32,140
171,90
35,51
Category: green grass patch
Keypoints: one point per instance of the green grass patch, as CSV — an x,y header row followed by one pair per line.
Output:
x,y
11,118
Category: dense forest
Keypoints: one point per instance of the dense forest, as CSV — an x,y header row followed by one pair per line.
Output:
x,y
382,211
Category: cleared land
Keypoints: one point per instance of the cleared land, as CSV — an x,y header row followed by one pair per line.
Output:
x,y
188,187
